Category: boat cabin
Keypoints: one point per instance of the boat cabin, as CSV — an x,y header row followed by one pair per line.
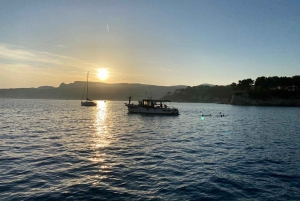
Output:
x,y
153,103
150,106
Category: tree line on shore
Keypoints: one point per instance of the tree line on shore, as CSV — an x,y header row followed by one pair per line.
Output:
x,y
269,87
261,88
268,83
201,93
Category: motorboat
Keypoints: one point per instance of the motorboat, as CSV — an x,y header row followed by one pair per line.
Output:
x,y
151,106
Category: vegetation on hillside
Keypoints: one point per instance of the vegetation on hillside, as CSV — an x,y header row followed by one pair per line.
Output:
x,y
201,93
261,88
269,87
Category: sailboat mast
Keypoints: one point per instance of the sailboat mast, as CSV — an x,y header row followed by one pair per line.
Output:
x,y
87,84
88,102
83,91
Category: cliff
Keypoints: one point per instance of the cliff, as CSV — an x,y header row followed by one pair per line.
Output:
x,y
245,99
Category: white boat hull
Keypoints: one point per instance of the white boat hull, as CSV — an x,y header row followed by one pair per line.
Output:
x,y
151,110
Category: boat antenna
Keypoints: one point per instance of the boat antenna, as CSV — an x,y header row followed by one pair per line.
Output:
x,y
129,99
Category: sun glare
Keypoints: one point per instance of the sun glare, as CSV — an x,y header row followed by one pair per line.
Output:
x,y
102,74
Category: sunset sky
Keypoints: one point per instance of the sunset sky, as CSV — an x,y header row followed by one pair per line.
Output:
x,y
161,42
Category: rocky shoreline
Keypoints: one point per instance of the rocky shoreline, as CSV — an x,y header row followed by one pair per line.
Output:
x,y
244,99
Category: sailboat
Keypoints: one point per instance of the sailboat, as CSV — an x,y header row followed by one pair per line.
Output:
x,y
87,102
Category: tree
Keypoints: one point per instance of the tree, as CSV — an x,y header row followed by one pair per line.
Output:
x,y
233,86
245,85
296,82
261,83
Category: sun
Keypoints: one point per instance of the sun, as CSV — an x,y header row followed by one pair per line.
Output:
x,y
102,74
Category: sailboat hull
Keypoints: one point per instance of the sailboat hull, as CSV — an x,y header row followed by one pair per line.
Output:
x,y
88,103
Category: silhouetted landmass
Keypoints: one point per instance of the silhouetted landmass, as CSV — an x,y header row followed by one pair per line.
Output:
x,y
97,91
277,91
46,87
203,93
270,87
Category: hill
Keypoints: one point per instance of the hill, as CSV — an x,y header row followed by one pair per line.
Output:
x,y
97,91
203,93
273,91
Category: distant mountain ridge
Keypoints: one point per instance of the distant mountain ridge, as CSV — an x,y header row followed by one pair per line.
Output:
x,y
206,84
97,91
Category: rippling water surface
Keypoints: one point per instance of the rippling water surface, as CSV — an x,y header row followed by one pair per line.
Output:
x,y
58,150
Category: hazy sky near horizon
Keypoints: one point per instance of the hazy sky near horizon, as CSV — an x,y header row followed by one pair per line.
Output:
x,y
161,42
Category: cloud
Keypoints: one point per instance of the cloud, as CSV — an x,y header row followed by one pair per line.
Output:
x,y
18,55
62,46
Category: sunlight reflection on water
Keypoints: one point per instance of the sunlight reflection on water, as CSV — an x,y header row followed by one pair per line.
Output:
x,y
102,138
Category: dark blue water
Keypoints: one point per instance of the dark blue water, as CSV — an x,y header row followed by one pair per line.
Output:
x,y
58,150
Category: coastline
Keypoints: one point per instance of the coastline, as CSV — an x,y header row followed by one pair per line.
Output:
x,y
244,99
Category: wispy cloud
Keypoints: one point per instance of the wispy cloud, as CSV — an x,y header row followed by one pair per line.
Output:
x,y
62,46
18,55
12,53
107,29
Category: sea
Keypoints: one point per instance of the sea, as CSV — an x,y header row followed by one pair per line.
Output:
x,y
59,150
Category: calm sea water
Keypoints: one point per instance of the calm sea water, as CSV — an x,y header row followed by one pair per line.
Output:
x,y
58,150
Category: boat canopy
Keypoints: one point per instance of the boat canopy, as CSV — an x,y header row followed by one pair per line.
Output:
x,y
156,100
153,103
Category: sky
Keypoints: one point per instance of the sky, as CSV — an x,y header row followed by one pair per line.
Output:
x,y
159,42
